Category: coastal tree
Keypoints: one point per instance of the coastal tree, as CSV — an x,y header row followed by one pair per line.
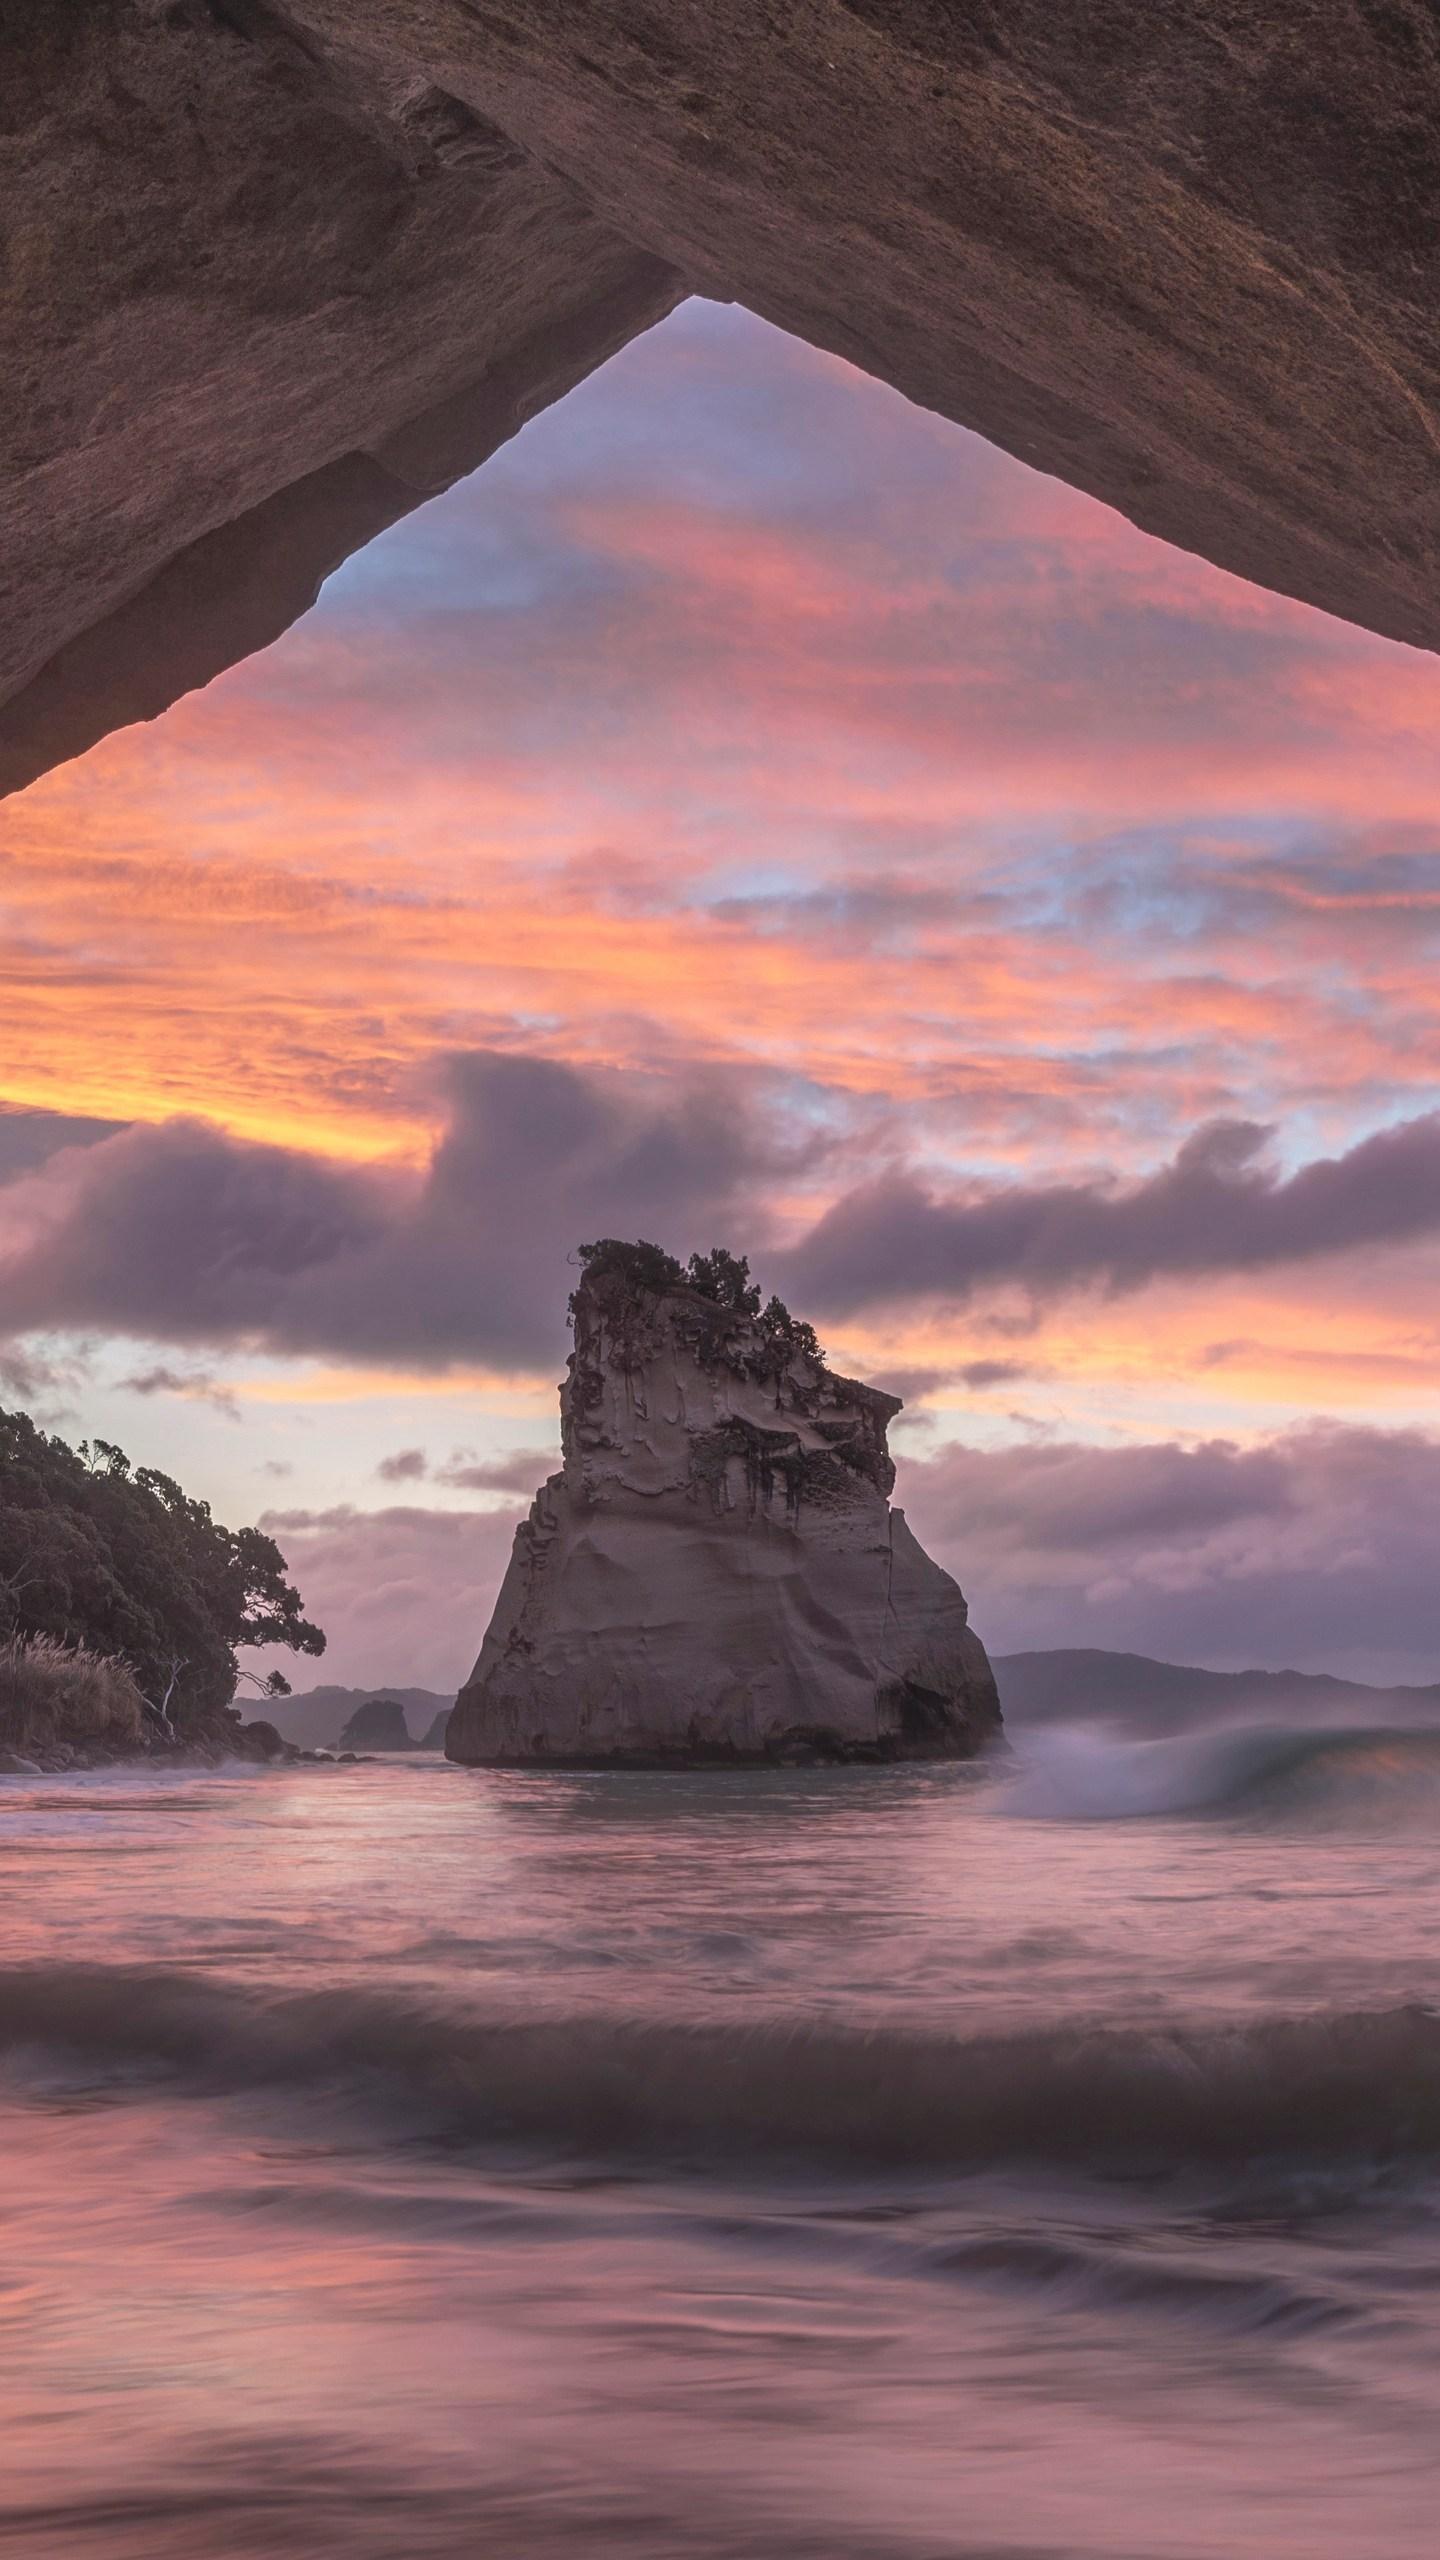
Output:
x,y
120,1559
725,1277
719,1275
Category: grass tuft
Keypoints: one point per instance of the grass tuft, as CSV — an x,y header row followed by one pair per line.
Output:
x,y
54,1693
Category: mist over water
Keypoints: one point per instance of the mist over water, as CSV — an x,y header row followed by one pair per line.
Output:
x,y
407,2160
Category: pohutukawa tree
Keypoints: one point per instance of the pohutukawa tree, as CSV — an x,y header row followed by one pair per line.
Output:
x,y
120,1559
719,1275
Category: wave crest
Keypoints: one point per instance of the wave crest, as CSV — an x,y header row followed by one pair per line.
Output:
x,y
1332,2086
1326,1775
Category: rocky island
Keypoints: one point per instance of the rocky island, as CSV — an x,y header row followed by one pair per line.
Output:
x,y
716,1574
378,1725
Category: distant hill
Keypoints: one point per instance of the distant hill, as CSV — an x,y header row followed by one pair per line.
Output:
x,y
1078,1682
314,1718
1146,1697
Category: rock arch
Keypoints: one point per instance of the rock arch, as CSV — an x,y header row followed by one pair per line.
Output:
x,y
278,273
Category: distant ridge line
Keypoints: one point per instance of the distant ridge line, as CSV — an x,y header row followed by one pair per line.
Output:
x,y
1149,1696
313,1718
1083,1682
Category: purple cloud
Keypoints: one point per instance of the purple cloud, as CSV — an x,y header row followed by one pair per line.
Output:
x,y
523,1471
1215,1207
182,1233
31,1138
197,1384
404,1594
406,1466
1314,1550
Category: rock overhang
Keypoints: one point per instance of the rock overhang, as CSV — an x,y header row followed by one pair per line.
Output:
x,y
280,272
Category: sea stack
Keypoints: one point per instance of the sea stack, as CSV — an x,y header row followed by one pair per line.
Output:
x,y
716,1575
378,1725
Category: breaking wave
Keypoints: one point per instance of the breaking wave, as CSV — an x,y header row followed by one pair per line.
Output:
x,y
1335,2086
1333,1774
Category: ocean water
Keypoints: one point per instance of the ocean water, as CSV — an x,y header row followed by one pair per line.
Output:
x,y
834,2165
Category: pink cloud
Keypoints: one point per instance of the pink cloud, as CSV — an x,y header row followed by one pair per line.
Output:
x,y
404,1593
1311,1551
743,729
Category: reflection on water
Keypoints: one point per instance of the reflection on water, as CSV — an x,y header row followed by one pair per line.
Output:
x,y
869,2165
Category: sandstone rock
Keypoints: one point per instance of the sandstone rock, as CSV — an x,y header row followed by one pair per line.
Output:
x,y
262,299
378,1725
717,1574
276,272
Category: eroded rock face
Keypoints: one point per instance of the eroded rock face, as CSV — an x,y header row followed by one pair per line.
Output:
x,y
262,297
275,273
717,1573
1183,253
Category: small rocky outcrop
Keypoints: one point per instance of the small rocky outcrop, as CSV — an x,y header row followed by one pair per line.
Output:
x,y
717,1574
433,1738
379,1725
261,1740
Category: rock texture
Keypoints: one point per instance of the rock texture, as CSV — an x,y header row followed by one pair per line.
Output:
x,y
261,298
717,1574
276,273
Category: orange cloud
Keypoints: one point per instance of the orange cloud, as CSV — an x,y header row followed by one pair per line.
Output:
x,y
1010,837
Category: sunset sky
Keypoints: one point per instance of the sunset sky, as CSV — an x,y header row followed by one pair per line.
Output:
x,y
752,810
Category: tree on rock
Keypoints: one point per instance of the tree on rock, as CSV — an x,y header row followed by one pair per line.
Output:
x,y
725,1277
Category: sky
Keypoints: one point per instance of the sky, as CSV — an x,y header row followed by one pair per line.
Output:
x,y
754,811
